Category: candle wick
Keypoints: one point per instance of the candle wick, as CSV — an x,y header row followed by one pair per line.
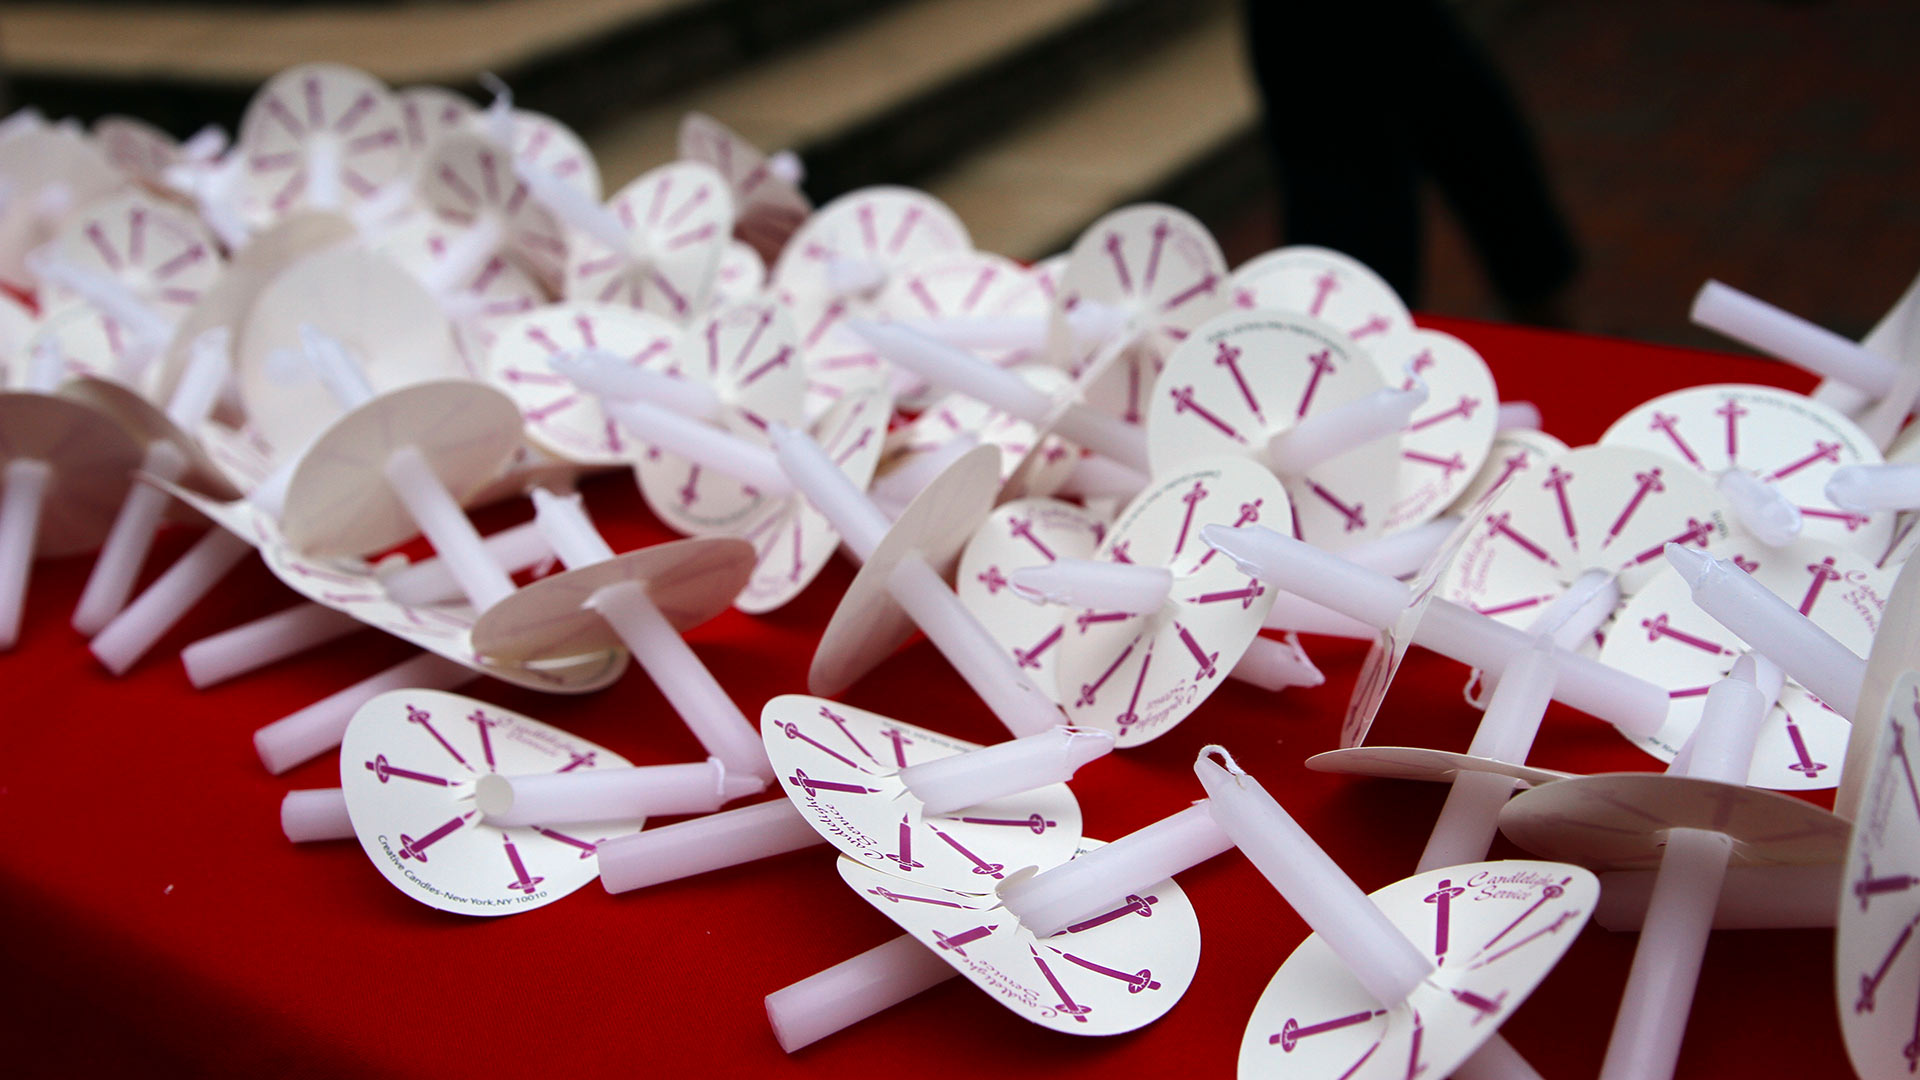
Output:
x,y
1225,759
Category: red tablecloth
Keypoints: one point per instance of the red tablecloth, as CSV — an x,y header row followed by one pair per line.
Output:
x,y
157,920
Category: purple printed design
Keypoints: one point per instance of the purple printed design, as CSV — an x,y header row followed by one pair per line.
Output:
x,y
902,856
1870,984
1193,498
1131,716
1501,524
1322,365
1852,520
379,768
1089,691
1208,661
1030,657
1355,514
1447,465
1822,572
1066,1005
1668,425
1136,982
1803,763
1462,410
1249,514
577,758
587,850
1697,533
980,865
1732,410
841,723
1558,479
482,722
1658,627
813,786
1869,886
1650,483
1442,898
1228,357
1035,823
417,849
957,943
893,897
1292,1032
1183,402
792,731
1822,451
899,741
1135,905
1022,528
522,882
1253,590
425,720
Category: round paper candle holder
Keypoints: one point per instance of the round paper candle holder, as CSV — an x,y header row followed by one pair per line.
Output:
x,y
1317,281
320,137
847,771
408,765
641,601
766,189
365,301
672,224
902,582
1251,384
1662,636
1140,673
1151,273
1874,957
1449,439
1786,443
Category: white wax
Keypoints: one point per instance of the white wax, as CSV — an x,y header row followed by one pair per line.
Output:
x,y
852,990
703,444
1009,768
1290,612
1306,571
844,505
577,209
323,153
1756,323
1866,488
1273,665
129,539
1089,583
464,257
253,645
1762,509
1751,898
428,581
1097,477
1575,614
1470,817
1052,900
108,295
1405,552
985,665
1326,435
209,363
957,370
1633,704
446,527
702,844
610,794
563,525
786,167
1518,416
301,736
315,814
854,277
20,503
683,680
1377,954
337,369
982,332
122,642
1666,964
1729,725
1773,628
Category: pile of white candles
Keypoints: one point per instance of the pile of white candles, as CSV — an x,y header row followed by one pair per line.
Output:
x,y
1091,483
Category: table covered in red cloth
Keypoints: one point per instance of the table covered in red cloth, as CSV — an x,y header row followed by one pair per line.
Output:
x,y
157,922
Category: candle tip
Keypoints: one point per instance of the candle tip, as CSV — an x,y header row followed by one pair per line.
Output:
x,y
1693,565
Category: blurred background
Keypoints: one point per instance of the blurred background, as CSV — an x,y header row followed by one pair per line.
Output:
x,y
1773,145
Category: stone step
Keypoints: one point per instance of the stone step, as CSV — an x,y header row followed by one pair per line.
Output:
x,y
908,90
1180,125
182,65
